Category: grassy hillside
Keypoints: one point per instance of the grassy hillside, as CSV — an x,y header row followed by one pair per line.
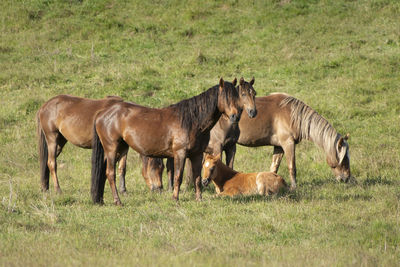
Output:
x,y
340,57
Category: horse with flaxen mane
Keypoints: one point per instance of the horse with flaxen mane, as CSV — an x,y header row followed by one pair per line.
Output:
x,y
229,182
283,121
66,118
178,131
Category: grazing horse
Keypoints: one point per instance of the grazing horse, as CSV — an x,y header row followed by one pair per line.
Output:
x,y
178,131
231,183
283,121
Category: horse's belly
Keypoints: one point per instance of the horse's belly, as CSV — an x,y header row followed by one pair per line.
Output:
x,y
149,145
78,135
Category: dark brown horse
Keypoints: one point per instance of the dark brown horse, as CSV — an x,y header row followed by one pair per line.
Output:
x,y
68,118
178,131
283,121
224,134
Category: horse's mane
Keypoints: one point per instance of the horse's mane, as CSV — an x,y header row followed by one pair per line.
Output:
x,y
193,111
310,125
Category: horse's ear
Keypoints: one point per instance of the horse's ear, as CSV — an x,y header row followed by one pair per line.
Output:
x,y
221,84
241,82
234,82
347,136
252,81
340,143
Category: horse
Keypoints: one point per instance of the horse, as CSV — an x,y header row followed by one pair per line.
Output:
x,y
219,138
66,118
283,121
229,182
178,131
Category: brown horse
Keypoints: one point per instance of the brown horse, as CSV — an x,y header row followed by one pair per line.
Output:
x,y
283,121
231,183
68,118
178,131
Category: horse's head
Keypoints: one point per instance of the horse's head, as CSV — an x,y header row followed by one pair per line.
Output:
x,y
209,168
247,96
153,174
229,101
340,164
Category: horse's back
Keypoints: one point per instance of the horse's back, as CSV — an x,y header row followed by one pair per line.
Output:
x,y
270,183
241,184
147,130
73,116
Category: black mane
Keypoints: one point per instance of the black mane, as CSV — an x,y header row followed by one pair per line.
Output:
x,y
194,110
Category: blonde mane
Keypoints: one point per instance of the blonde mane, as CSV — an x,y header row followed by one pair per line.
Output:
x,y
311,126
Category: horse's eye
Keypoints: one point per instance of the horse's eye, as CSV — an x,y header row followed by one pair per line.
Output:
x,y
243,94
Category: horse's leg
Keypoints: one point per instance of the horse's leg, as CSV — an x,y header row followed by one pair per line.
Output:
x,y
276,159
230,155
122,172
196,164
289,149
170,173
51,139
190,179
110,173
179,164
110,153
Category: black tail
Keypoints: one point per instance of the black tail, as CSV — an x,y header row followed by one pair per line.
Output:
x,y
43,156
98,169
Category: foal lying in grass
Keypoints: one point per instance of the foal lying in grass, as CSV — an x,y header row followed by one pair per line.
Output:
x,y
229,182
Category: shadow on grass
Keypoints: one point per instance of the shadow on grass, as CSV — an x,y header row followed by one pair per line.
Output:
x,y
372,181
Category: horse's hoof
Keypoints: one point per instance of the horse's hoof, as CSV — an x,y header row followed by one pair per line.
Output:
x,y
59,191
118,203
123,191
292,188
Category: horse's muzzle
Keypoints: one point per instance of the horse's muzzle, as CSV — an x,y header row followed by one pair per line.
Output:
x,y
205,182
252,112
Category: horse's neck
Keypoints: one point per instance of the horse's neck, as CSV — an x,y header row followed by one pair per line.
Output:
x,y
224,173
209,122
326,141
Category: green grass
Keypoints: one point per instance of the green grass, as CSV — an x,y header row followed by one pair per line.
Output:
x,y
340,57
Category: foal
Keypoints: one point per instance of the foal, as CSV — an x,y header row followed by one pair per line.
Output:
x,y
231,183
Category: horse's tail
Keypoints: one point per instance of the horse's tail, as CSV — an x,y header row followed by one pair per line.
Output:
x,y
43,155
98,169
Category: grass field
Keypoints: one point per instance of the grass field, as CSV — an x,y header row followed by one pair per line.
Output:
x,y
340,57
